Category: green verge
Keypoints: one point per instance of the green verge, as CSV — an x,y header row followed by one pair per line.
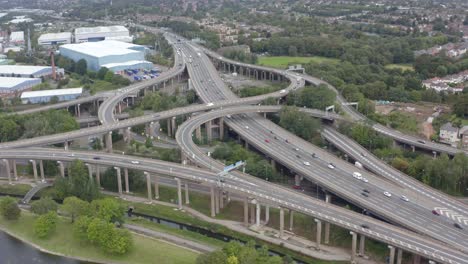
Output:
x,y
283,61
403,67
15,189
145,250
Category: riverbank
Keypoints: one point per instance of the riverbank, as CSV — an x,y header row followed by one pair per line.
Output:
x,y
63,243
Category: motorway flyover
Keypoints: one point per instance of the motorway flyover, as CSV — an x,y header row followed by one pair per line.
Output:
x,y
265,193
292,154
350,111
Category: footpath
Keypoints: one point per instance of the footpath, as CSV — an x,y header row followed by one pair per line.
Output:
x,y
292,242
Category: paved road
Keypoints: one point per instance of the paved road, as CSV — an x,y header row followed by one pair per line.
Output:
x,y
293,154
266,193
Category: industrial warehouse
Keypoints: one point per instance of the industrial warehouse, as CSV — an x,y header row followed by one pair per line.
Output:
x,y
36,97
11,87
92,34
51,39
26,71
114,55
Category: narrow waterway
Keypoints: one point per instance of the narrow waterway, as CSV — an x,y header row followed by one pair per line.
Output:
x,y
14,251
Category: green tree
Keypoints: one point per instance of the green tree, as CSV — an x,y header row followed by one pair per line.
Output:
x,y
9,208
299,123
45,224
77,183
81,67
109,238
44,205
102,73
80,227
108,76
108,209
75,207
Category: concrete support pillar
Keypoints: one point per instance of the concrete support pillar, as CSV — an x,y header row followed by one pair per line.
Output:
x,y
297,180
173,126
90,171
221,199
291,219
353,247
78,110
281,222
65,145
156,187
217,201
209,131
179,193
392,255
119,180
327,224
246,211
318,238
127,187
267,214
41,170
127,135
362,245
187,201
273,164
15,172
221,128
98,176
257,216
434,153
252,214
169,130
212,195
416,259
8,171
33,162
148,185
399,256
413,148
198,133
61,169
246,145
108,137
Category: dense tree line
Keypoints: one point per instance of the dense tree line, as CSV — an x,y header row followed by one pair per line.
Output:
x,y
232,152
192,30
13,127
236,253
299,123
318,97
431,66
159,101
241,56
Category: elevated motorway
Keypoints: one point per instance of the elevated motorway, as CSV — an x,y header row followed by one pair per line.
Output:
x,y
265,193
124,124
351,112
374,164
415,215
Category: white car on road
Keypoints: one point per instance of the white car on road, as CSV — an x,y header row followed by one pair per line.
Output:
x,y
387,194
306,163
135,162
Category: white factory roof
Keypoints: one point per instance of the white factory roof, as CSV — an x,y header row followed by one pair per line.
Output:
x,y
54,92
49,36
8,82
20,20
17,36
102,48
22,69
87,30
127,63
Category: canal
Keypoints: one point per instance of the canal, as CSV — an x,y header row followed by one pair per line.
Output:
x,y
14,251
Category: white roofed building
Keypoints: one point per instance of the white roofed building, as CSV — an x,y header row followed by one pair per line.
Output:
x,y
25,71
17,38
92,34
11,87
44,96
114,55
51,39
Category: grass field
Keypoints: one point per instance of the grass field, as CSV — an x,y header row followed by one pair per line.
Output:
x,y
283,61
404,67
145,250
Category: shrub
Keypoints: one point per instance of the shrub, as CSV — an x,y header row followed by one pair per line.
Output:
x,y
43,206
9,208
45,224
